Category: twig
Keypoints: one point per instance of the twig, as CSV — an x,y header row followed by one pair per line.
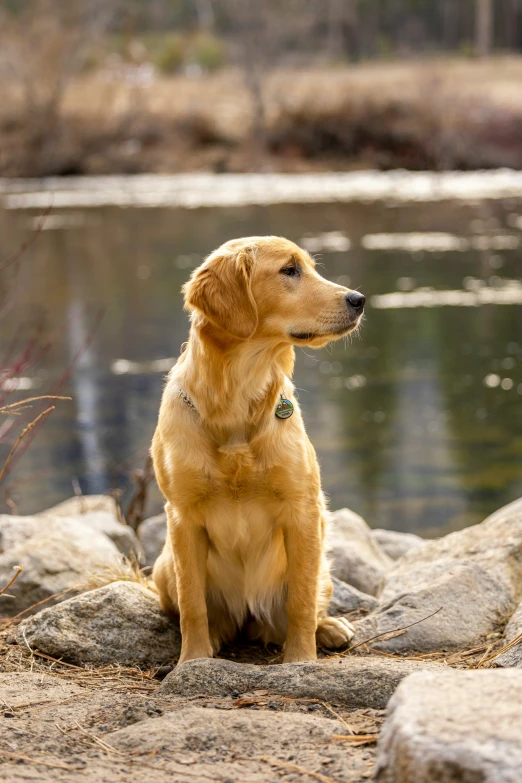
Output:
x,y
391,634
105,745
513,643
23,247
32,399
19,570
339,717
22,435
142,479
17,757
50,658
356,739
297,768
11,620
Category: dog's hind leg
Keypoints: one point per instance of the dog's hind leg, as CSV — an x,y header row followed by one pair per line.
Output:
x,y
164,577
223,627
332,632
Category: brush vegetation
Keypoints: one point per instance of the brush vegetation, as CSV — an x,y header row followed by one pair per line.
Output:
x,y
437,114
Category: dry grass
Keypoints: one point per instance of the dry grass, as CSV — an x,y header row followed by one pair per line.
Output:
x,y
438,113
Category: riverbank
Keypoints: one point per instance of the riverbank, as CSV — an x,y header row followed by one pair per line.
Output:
x,y
433,114
90,688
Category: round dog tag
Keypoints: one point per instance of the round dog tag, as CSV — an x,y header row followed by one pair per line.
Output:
x,y
284,408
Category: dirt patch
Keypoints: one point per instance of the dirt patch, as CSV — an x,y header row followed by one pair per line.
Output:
x,y
65,723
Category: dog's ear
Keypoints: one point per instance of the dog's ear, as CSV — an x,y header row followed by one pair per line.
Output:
x,y
221,290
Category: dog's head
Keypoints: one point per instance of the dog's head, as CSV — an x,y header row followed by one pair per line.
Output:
x,y
268,287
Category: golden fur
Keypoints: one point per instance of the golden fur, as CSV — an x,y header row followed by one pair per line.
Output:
x,y
246,514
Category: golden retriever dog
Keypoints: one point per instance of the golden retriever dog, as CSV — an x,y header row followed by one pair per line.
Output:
x,y
245,510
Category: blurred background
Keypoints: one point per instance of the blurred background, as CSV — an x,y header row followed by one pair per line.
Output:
x,y
122,125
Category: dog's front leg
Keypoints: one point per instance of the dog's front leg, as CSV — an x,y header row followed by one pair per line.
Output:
x,y
190,546
303,552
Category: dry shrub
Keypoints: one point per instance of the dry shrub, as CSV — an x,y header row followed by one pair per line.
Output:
x,y
423,130
43,46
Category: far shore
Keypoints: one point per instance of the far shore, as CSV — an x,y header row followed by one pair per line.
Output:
x,y
434,114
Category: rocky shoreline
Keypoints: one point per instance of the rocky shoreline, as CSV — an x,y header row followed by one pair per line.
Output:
x,y
89,687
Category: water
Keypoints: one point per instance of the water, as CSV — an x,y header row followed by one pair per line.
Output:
x,y
417,422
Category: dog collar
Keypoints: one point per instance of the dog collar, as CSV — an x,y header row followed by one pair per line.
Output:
x,y
284,408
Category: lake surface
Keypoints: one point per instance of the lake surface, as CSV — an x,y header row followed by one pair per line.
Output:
x,y
417,421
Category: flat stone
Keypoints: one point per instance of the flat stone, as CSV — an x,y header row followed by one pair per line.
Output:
x,y
453,727
355,555
472,579
396,544
354,681
120,623
346,599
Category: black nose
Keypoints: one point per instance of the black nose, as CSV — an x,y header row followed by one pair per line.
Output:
x,y
356,300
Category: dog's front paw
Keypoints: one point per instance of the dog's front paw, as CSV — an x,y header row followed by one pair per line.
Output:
x,y
191,653
334,632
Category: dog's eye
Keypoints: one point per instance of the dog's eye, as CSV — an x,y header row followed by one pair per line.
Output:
x,y
290,271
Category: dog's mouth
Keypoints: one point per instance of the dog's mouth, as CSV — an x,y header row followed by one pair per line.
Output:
x,y
339,332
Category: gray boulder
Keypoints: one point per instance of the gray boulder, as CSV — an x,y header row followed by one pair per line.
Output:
x,y
121,623
453,727
16,530
355,555
354,681
346,599
396,544
512,657
101,513
84,504
472,579
56,555
152,533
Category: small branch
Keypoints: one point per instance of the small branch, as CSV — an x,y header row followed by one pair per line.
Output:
x,y
136,509
19,570
23,247
17,757
22,435
391,634
12,620
513,643
297,768
357,739
12,405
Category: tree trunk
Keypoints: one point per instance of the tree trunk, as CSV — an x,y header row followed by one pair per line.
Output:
x,y
483,27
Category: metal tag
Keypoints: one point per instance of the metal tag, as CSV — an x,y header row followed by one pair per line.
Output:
x,y
284,408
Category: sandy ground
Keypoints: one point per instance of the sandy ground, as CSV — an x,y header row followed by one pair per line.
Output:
x,y
63,723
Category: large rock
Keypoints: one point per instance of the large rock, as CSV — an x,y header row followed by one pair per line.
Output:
x,y
512,657
56,554
396,544
453,727
355,555
513,509
472,579
152,533
346,599
103,514
350,681
121,623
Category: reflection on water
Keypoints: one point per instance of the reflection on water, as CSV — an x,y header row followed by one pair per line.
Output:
x,y
417,422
